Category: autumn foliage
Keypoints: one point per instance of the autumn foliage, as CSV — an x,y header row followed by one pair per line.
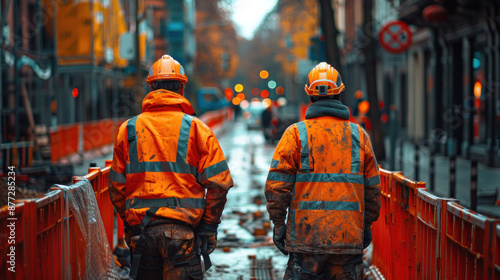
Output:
x,y
217,43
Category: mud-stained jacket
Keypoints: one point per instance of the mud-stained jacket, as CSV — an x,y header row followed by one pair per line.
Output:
x,y
324,171
165,158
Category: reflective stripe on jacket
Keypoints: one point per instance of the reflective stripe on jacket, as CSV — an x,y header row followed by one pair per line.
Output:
x,y
166,158
325,172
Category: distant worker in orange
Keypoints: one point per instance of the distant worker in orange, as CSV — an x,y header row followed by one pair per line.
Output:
x,y
325,175
164,159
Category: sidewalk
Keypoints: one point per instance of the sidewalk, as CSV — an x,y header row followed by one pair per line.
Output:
x,y
488,178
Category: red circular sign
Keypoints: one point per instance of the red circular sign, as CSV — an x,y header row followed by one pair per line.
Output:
x,y
395,36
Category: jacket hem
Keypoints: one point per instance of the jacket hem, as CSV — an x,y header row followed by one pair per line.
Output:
x,y
319,250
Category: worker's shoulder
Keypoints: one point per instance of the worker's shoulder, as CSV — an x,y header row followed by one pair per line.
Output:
x,y
364,133
199,123
124,124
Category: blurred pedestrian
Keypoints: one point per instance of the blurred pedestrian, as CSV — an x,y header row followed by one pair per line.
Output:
x,y
266,117
163,161
325,175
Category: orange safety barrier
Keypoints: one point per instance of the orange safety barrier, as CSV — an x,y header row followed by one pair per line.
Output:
x,y
64,141
468,244
10,238
403,229
48,242
395,231
97,134
55,245
99,180
430,235
215,119
496,254
382,253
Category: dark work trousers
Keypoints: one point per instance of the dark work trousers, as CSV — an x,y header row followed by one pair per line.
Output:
x,y
321,266
170,253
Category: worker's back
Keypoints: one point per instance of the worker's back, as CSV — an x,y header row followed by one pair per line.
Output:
x,y
327,206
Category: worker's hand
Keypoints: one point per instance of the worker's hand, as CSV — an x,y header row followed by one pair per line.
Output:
x,y
279,235
367,235
208,236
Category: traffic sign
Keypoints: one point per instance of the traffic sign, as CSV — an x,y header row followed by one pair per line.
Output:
x,y
395,36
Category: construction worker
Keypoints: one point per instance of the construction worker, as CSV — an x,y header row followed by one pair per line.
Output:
x,y
163,161
324,171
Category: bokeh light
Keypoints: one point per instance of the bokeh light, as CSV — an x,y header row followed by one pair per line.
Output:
x,y
266,102
255,91
282,101
477,89
384,118
241,96
264,93
228,92
244,104
75,92
236,101
271,84
264,74
238,88
381,105
358,94
363,107
280,90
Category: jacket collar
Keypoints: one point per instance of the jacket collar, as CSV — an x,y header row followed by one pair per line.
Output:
x,y
164,100
327,107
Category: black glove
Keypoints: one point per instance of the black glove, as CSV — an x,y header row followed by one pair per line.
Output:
x,y
367,235
207,235
279,235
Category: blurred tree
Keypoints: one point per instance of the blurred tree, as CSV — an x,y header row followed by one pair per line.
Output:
x,y
371,82
330,32
216,39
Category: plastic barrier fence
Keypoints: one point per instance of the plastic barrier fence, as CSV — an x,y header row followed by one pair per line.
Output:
x,y
421,236
496,254
66,139
468,244
8,235
430,235
216,120
403,228
381,229
49,243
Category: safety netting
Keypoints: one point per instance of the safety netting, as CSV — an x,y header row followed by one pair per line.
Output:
x,y
80,199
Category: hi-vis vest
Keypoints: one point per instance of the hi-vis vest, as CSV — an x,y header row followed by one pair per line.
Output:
x,y
163,161
321,170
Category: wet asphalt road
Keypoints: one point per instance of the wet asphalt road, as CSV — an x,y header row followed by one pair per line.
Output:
x,y
249,158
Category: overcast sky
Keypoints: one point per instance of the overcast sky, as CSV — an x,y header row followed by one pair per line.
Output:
x,y
247,14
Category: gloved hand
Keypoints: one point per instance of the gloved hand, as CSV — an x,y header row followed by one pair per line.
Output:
x,y
367,235
279,235
207,236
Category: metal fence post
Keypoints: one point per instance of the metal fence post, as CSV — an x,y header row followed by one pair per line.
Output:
x,y
432,162
453,159
473,185
417,161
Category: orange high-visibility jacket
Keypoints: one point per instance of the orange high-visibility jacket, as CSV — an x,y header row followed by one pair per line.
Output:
x,y
325,172
166,158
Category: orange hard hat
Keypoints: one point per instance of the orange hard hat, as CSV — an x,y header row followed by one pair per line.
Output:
x,y
324,80
166,68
